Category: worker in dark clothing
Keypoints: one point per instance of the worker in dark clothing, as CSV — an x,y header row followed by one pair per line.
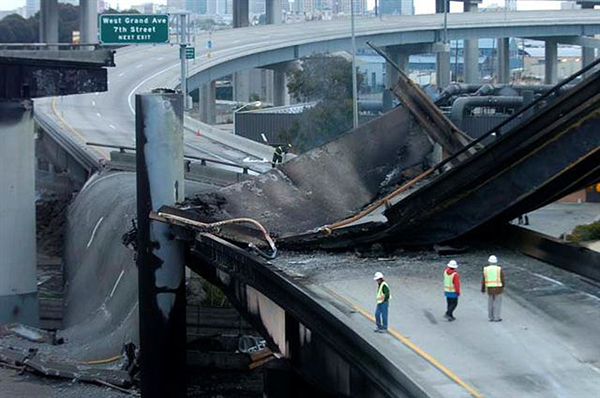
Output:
x,y
451,289
383,301
280,150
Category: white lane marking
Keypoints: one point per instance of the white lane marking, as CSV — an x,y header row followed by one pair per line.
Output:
x,y
548,279
235,41
160,58
94,232
98,114
93,103
121,74
139,66
116,283
97,93
112,127
143,82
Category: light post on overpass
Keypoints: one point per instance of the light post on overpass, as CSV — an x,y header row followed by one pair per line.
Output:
x,y
183,40
354,82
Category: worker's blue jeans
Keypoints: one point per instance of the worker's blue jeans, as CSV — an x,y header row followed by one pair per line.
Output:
x,y
381,315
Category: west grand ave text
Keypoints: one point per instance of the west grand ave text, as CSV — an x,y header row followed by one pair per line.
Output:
x,y
132,20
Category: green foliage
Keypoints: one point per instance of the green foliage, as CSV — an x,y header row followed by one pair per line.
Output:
x,y
586,232
16,29
328,80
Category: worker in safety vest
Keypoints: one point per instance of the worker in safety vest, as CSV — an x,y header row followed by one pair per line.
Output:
x,y
383,301
493,280
451,289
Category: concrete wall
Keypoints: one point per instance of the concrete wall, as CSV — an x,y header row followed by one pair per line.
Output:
x,y
18,279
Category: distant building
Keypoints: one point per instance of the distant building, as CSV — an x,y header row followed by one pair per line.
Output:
x,y
256,6
397,7
199,7
175,5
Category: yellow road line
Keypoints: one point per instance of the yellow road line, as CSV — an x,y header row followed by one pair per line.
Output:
x,y
415,348
77,133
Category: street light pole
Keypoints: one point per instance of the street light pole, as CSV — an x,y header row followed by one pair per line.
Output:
x,y
354,82
183,40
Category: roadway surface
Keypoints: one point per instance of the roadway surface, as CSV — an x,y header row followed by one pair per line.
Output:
x,y
546,345
108,118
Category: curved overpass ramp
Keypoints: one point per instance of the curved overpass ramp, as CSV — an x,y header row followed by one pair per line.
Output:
x,y
108,118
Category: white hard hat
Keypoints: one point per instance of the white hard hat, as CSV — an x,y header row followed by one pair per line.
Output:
x,y
452,264
378,275
492,259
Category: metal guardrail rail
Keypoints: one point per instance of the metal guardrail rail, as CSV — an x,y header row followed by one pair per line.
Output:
x,y
203,161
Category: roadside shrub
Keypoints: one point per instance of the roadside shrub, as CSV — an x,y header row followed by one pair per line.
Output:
x,y
586,232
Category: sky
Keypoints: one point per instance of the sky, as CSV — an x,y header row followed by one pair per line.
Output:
x,y
422,6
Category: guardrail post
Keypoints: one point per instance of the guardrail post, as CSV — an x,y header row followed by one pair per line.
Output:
x,y
160,262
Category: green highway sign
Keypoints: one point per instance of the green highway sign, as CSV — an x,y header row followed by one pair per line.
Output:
x,y
133,28
190,53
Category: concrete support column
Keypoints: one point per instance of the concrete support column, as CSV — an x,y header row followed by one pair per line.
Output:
x,y
241,86
281,95
207,100
471,51
274,10
18,279
49,21
240,13
160,259
442,59
503,60
401,59
88,21
551,61
588,55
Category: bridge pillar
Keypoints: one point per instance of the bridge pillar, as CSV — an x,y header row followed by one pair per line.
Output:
x,y
160,259
401,59
503,60
550,61
471,51
240,13
18,279
442,59
587,54
49,21
274,10
88,21
281,95
207,98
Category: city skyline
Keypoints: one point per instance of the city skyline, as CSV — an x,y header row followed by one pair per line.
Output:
x,y
421,7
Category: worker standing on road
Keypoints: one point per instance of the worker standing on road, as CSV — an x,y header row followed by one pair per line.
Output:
x,y
383,302
493,280
451,289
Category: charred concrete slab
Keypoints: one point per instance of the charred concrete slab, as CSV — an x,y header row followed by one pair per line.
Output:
x,y
328,183
34,74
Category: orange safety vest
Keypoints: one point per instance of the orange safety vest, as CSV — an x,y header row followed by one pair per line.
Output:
x,y
493,276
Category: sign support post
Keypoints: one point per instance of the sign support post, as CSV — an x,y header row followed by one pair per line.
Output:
x,y
182,55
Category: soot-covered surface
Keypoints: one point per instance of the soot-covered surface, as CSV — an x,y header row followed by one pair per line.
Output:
x,y
328,183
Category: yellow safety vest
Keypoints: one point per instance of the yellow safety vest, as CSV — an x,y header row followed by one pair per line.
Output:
x,y
380,292
449,282
492,275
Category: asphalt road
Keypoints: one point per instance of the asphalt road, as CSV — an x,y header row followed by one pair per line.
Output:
x,y
108,118
546,345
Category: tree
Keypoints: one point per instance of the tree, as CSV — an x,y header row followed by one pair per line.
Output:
x,y
328,81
